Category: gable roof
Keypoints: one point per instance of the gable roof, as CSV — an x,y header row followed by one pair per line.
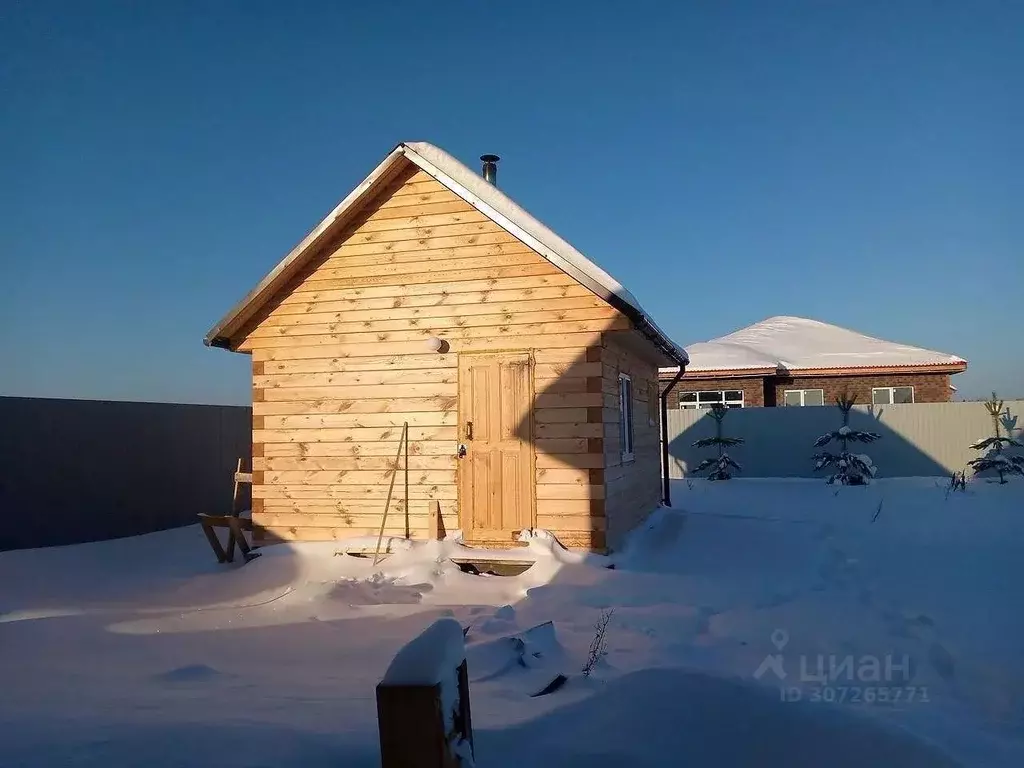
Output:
x,y
785,344
486,198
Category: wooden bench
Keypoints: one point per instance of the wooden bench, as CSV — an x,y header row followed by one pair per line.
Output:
x,y
234,522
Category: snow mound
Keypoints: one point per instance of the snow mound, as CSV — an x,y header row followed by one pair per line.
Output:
x,y
369,543
504,618
505,613
32,615
191,673
378,590
520,664
660,534
653,717
543,545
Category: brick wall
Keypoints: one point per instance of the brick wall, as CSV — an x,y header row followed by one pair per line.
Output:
x,y
769,391
752,387
928,387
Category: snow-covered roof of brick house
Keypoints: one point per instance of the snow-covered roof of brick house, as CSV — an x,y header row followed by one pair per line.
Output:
x,y
785,344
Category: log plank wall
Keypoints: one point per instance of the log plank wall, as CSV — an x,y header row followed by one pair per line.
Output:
x,y
340,362
633,486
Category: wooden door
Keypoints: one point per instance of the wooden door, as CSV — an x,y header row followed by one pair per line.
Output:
x,y
496,475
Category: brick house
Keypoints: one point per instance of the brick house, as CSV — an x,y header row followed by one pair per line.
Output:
x,y
797,362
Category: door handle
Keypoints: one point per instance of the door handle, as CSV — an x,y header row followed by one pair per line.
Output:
x,y
469,430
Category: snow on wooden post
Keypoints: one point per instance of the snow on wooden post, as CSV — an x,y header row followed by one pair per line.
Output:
x,y
423,702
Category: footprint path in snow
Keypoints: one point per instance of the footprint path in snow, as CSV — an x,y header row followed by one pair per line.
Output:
x,y
840,571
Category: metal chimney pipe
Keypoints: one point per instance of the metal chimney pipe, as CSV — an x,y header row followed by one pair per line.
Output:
x,y
490,169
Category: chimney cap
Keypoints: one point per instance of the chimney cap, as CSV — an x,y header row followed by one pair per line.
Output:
x,y
490,169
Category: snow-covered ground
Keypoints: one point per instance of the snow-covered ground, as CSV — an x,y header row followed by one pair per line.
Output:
x,y
144,652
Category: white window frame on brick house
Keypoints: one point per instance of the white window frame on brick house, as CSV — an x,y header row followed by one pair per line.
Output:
x,y
626,416
803,397
705,398
890,392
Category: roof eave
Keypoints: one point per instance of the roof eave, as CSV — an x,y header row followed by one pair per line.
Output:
x,y
849,370
722,373
220,335
865,370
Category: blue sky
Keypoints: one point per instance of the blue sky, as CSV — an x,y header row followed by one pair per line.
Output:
x,y
860,163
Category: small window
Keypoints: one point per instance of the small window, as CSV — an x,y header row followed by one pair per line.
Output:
x,y
626,417
902,395
730,398
892,395
804,397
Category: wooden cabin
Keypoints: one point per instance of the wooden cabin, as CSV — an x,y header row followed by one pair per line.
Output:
x,y
527,376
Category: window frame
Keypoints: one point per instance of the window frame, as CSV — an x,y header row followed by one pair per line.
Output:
x,y
803,396
626,433
892,394
696,404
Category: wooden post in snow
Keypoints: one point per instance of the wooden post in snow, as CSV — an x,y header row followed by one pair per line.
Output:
x,y
423,702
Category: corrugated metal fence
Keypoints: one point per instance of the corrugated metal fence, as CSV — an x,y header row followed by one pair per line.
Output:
x,y
85,470
921,440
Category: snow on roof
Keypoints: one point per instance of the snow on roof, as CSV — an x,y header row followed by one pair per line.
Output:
x,y
489,200
505,211
797,343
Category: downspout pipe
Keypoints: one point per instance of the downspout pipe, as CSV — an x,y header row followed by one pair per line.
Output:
x,y
667,484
